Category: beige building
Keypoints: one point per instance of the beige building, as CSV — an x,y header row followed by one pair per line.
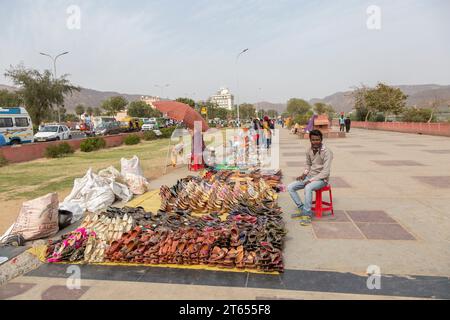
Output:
x,y
223,98
150,99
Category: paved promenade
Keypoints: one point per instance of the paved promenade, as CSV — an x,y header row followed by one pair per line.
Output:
x,y
391,195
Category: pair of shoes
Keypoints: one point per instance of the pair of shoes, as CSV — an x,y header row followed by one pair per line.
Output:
x,y
299,214
305,221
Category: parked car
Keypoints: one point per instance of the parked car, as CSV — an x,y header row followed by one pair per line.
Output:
x,y
53,132
15,126
149,125
108,128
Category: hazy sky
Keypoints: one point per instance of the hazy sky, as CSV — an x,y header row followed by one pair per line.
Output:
x,y
297,48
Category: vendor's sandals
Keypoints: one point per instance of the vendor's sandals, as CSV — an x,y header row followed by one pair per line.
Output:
x,y
250,260
240,253
216,254
229,261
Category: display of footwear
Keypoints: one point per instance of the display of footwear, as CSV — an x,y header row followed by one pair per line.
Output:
x,y
188,228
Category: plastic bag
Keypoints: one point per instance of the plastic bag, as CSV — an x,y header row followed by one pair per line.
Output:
x,y
75,208
137,184
131,166
121,191
38,218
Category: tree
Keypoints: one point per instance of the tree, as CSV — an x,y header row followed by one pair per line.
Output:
x,y
9,99
247,111
222,113
71,117
362,109
386,99
434,105
52,115
272,113
320,108
140,109
417,115
97,112
90,111
187,101
303,119
79,109
39,91
297,106
114,105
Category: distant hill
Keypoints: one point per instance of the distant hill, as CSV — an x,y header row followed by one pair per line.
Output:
x,y
93,98
418,95
9,88
87,97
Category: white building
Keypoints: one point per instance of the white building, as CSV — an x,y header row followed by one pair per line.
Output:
x,y
150,100
224,99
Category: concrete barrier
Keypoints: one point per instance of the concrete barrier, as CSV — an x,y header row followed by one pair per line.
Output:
x,y
33,151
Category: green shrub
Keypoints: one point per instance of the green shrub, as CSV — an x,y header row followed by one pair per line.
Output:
x,y
59,151
417,115
132,139
377,118
167,132
3,161
150,135
92,144
301,119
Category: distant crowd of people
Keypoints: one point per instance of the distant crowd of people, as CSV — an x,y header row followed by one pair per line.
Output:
x,y
262,131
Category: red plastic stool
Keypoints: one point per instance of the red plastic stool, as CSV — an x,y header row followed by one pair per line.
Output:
x,y
194,165
320,206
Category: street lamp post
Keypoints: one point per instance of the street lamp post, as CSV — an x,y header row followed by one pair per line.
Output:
x,y
237,82
162,89
54,73
259,98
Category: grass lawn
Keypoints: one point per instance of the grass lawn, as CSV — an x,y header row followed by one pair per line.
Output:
x,y
36,178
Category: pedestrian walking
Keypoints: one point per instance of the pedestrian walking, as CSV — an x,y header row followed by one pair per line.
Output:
x,y
342,123
348,123
267,132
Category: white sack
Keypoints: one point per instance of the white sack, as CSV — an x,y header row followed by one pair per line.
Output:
x,y
132,166
111,173
95,193
121,191
99,199
137,184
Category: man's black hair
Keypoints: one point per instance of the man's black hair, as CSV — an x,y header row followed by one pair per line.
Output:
x,y
316,133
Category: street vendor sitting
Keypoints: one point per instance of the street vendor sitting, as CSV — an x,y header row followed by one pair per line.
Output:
x,y
315,176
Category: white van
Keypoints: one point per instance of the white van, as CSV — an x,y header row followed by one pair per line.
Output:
x,y
15,126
